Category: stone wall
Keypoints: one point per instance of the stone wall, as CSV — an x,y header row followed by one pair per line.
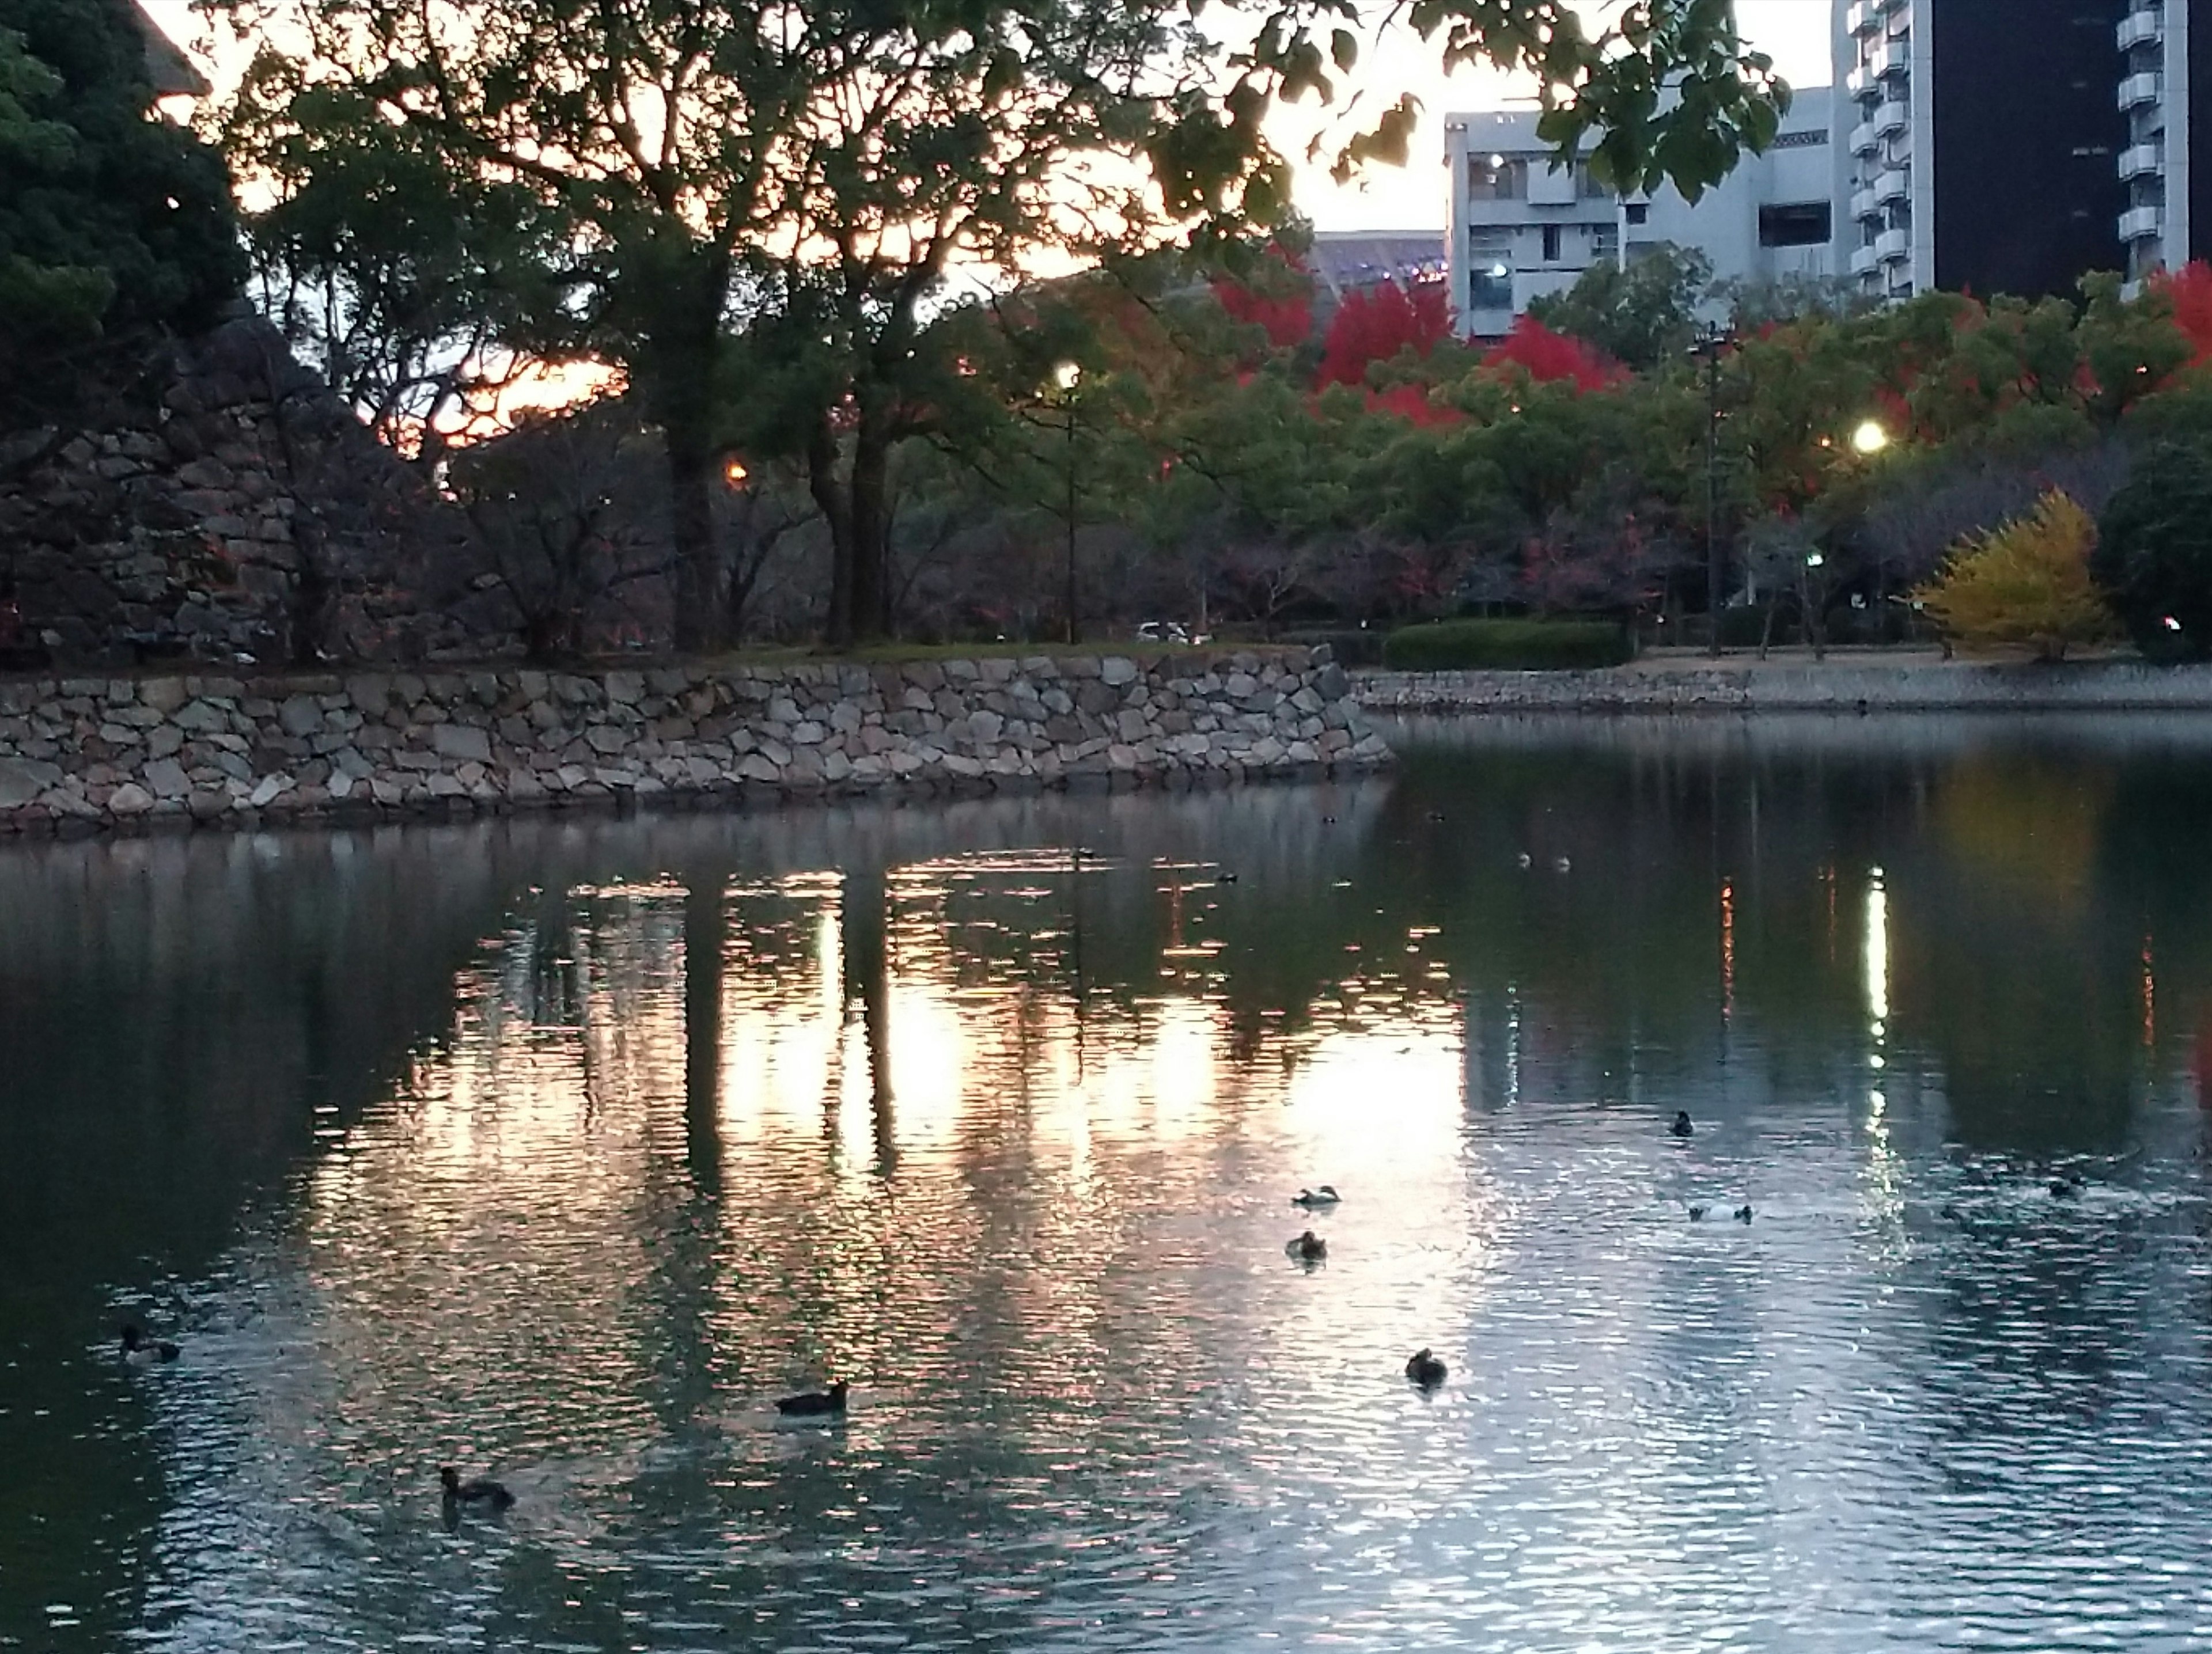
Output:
x,y
1837,686
222,507
84,753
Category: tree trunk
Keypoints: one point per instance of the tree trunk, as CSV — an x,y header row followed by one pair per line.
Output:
x,y
871,531
830,498
691,480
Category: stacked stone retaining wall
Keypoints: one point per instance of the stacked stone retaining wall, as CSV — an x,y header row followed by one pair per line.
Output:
x,y
87,753
1833,686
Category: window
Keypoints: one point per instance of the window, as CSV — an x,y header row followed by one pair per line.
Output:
x,y
1605,244
1794,224
1639,212
1496,177
1551,244
1490,284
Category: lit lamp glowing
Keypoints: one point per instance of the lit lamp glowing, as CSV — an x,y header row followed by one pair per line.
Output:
x,y
1869,438
1067,375
734,473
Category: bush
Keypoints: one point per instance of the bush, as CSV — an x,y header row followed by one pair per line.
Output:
x,y
2154,552
2026,582
1507,645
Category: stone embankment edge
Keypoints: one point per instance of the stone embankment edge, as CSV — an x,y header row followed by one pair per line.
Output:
x,y
80,755
1950,687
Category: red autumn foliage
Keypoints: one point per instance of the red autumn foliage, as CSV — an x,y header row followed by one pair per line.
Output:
x,y
1376,324
2189,290
1287,319
1545,357
1411,402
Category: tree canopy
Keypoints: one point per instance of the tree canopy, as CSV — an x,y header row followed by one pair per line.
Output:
x,y
110,222
646,184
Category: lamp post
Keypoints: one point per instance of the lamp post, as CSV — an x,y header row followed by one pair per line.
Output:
x,y
1067,376
1710,343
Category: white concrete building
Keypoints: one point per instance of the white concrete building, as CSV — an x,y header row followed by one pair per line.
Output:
x,y
1520,226
1884,145
1523,227
2153,97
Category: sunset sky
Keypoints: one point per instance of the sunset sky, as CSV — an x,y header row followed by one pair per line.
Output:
x,y
1795,32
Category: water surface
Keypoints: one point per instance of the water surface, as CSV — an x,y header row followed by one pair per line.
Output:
x,y
558,1150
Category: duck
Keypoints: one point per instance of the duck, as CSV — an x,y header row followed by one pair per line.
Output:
x,y
1312,1198
1526,860
815,1404
1562,865
142,1351
1743,1214
489,1495
1426,1369
1308,1248
2066,1188
1681,1127
1696,1213
1225,876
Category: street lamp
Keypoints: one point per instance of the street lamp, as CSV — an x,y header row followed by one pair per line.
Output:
x,y
1709,345
1869,439
1067,376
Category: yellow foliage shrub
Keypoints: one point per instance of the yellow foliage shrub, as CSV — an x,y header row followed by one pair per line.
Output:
x,y
2027,583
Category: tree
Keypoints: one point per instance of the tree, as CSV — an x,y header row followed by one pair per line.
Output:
x,y
112,224
633,181
2026,582
1645,314
2154,552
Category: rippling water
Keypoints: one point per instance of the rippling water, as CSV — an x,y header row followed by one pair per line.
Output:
x,y
558,1151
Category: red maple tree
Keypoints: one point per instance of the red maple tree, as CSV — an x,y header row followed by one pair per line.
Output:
x,y
1545,357
1376,324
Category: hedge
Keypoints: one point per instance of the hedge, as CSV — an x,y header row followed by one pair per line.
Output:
x,y
1507,646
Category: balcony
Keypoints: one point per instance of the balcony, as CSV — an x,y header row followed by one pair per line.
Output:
x,y
2141,223
1895,184
1864,205
2139,89
2139,29
1864,139
1858,82
1862,261
2142,160
1890,58
1863,17
1895,116
1892,246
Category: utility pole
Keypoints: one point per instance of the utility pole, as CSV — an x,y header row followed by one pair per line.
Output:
x,y
1709,347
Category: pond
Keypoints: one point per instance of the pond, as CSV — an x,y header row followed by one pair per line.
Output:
x,y
557,1150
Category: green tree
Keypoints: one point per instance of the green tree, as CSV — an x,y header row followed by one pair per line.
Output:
x,y
111,223
2154,554
637,180
1645,314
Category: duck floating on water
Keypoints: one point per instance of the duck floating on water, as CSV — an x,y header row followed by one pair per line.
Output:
x,y
1311,1198
1426,1369
142,1351
1696,1213
478,1493
1308,1248
1681,1127
816,1404
1743,1214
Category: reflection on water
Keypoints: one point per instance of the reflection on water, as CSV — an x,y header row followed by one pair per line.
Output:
x,y
561,1150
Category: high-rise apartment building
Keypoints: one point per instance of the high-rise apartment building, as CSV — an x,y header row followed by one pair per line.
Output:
x,y
2013,146
2166,81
